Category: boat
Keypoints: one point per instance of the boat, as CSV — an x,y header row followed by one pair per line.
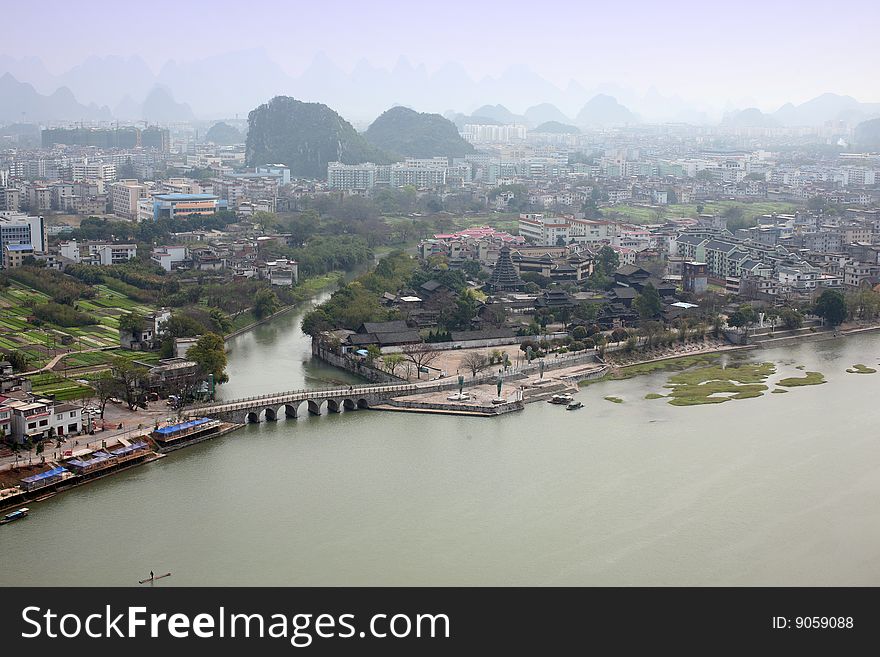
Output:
x,y
15,515
564,398
152,578
573,406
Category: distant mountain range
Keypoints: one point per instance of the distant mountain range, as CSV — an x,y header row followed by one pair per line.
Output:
x,y
228,85
819,110
20,102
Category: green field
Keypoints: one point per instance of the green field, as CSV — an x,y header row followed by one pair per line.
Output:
x,y
63,389
651,214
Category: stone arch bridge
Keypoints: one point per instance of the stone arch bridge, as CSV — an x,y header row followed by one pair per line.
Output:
x,y
294,403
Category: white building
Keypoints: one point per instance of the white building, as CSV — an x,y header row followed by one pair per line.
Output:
x,y
354,177
124,197
282,272
97,253
169,257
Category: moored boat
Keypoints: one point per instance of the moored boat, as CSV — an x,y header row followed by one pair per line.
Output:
x,y
573,406
15,515
563,398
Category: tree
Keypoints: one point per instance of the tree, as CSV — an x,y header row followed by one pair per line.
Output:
x,y
495,315
265,303
132,322
743,318
130,379
619,334
373,352
792,319
607,260
472,268
648,303
392,362
220,321
18,359
209,352
831,306
475,361
106,386
421,355
563,315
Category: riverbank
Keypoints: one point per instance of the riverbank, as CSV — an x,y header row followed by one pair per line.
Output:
x,y
150,451
310,288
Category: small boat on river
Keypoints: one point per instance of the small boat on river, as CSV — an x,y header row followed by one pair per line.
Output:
x,y
573,406
564,398
15,515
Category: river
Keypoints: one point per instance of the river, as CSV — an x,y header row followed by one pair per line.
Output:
x,y
777,490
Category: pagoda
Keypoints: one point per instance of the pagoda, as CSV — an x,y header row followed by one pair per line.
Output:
x,y
505,277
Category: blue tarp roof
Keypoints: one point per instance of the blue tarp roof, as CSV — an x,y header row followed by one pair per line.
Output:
x,y
97,457
174,428
122,451
44,475
19,247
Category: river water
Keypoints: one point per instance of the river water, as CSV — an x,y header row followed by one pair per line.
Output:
x,y
778,490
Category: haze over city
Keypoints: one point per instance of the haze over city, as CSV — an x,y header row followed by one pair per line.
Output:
x,y
678,60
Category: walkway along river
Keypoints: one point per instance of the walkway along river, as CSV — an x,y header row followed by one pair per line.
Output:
x,y
779,489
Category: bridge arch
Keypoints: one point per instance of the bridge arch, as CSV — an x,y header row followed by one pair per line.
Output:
x,y
315,406
252,417
362,403
270,413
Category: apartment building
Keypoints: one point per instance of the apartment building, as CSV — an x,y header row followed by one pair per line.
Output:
x,y
124,197
97,253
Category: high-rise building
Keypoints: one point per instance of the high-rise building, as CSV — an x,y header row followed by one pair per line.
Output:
x,y
354,177
156,137
124,197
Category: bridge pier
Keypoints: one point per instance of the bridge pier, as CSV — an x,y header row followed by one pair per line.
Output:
x,y
255,409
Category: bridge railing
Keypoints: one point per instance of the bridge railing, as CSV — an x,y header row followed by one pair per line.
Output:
x,y
306,392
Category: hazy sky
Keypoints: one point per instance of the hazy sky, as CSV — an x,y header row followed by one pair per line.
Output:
x,y
750,51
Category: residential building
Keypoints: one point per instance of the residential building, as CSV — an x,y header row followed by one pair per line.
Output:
x,y
21,229
124,197
169,257
14,254
97,253
351,177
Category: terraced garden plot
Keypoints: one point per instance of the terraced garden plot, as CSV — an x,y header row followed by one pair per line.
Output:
x,y
63,389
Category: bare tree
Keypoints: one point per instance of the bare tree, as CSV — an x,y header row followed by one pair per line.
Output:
x,y
475,361
421,354
392,361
